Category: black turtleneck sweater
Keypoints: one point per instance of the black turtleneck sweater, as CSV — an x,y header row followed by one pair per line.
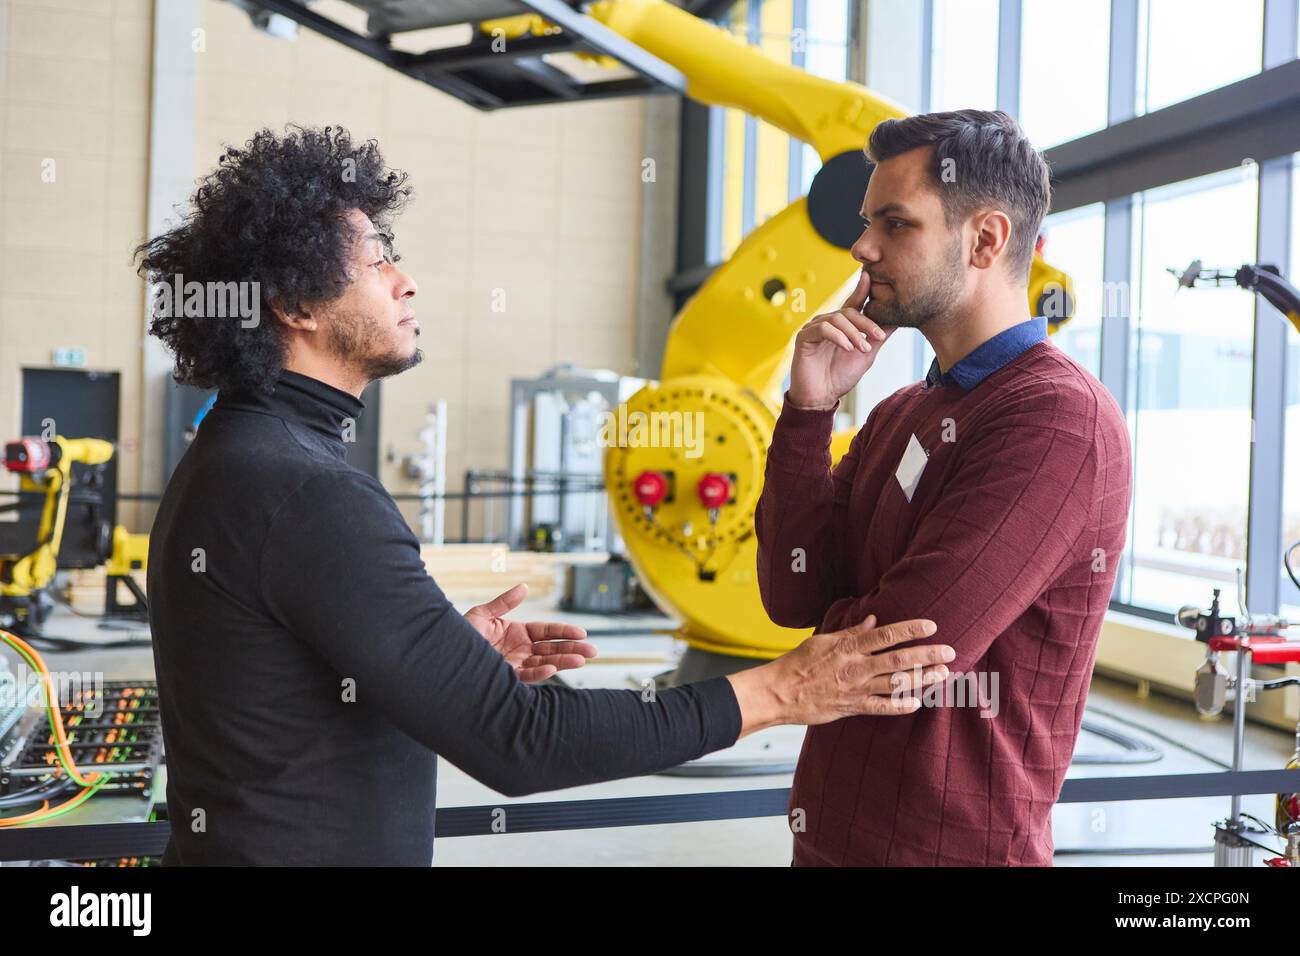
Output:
x,y
310,670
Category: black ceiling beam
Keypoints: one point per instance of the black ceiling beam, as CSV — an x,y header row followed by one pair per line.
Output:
x,y
611,90
1256,118
548,77
473,54
516,76
604,40
377,49
453,85
383,52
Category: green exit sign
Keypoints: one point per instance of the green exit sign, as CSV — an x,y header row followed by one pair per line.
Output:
x,y
70,358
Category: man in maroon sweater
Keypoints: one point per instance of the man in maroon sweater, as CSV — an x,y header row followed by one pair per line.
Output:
x,y
992,498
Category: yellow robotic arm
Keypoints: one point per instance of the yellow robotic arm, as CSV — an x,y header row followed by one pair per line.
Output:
x,y
23,573
26,569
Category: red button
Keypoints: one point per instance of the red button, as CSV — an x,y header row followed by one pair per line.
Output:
x,y
714,490
650,488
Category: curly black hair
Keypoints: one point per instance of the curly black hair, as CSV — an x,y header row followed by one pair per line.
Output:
x,y
274,212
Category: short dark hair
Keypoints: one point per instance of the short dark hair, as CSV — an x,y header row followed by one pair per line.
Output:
x,y
274,212
988,161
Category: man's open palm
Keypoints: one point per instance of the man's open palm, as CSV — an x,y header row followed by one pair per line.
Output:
x,y
537,650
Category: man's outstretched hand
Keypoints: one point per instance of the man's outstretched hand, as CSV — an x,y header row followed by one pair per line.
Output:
x,y
537,650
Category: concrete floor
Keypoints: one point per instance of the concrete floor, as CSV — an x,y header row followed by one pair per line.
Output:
x,y
1083,832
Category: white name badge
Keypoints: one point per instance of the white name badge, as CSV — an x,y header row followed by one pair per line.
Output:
x,y
910,468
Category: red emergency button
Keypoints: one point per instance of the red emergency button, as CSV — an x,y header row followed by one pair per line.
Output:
x,y
27,456
650,488
714,490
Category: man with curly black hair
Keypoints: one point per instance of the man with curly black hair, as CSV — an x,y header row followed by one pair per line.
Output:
x,y
309,668
303,220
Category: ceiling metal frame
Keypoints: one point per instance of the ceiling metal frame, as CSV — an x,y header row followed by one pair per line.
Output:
x,y
516,75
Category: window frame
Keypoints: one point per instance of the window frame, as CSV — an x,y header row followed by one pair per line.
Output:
x,y
1281,36
1178,142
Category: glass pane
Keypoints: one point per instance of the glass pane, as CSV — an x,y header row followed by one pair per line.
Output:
x,y
772,157
1074,243
1291,470
732,152
826,55
964,55
777,170
1063,84
1190,379
826,51
1193,46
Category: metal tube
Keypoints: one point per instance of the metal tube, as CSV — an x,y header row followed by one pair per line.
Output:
x,y
464,511
1239,725
440,471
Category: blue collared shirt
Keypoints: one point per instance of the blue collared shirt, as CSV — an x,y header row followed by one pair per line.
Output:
x,y
972,369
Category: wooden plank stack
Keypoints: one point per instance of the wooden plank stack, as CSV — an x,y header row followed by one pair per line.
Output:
x,y
84,589
463,571
482,571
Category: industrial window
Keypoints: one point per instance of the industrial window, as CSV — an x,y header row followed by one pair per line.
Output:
x,y
1073,242
964,55
1183,364
1064,60
760,169
1189,409
1187,47
1291,468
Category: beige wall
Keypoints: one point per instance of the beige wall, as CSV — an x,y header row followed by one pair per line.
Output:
x,y
74,89
543,203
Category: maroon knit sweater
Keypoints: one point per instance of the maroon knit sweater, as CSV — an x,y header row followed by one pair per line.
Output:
x,y
1010,544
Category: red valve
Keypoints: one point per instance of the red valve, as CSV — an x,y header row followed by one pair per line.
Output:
x,y
1264,648
650,488
714,490
1282,652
